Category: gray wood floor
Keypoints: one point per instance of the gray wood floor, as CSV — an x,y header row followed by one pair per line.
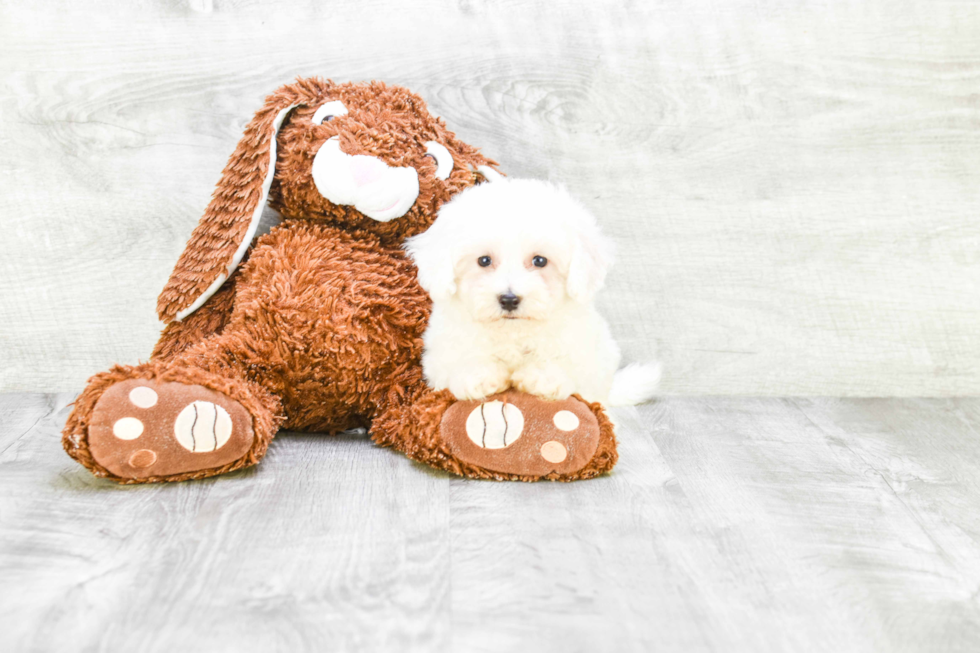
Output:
x,y
730,524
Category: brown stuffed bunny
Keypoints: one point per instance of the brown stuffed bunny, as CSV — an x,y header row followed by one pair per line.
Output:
x,y
318,326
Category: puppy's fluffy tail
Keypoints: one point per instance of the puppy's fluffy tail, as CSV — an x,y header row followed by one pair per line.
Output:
x,y
635,384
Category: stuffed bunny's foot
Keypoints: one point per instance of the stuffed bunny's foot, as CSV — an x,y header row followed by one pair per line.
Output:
x,y
519,434
149,430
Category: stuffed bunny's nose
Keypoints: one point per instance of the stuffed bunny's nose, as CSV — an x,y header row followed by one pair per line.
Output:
x,y
366,169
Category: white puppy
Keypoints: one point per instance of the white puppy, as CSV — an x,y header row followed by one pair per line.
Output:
x,y
512,267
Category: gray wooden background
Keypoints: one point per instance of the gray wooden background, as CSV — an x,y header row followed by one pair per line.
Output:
x,y
793,185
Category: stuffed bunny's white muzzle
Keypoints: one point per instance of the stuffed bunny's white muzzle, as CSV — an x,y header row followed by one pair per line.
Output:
x,y
379,191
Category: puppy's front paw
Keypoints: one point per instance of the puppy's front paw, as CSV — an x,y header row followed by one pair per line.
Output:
x,y
479,383
549,383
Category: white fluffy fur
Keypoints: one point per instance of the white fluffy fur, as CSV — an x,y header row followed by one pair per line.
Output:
x,y
555,344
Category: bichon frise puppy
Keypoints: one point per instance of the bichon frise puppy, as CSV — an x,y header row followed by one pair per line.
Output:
x,y
512,267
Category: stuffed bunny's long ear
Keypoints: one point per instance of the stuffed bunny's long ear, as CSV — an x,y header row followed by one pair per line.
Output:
x,y
219,242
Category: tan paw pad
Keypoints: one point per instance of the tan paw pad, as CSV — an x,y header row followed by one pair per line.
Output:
x,y
202,426
142,458
565,420
143,397
127,428
495,425
554,452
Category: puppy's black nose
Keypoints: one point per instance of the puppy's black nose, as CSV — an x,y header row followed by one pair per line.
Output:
x,y
508,301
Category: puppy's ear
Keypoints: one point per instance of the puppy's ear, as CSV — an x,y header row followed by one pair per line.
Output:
x,y
592,255
222,237
434,259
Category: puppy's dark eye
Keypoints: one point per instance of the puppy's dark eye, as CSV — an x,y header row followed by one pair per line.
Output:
x,y
539,261
483,261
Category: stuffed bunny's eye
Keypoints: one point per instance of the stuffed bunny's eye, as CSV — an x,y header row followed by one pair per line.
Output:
x,y
328,111
484,261
539,261
444,160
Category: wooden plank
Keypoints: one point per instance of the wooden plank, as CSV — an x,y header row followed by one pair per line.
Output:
x,y
923,458
734,525
329,541
21,412
793,187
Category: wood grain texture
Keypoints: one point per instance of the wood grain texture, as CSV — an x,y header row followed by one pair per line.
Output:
x,y
730,524
793,186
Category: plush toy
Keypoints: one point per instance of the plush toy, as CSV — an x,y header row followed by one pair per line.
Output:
x,y
317,325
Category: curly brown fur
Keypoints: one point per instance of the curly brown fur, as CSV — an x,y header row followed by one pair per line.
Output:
x,y
206,321
320,328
